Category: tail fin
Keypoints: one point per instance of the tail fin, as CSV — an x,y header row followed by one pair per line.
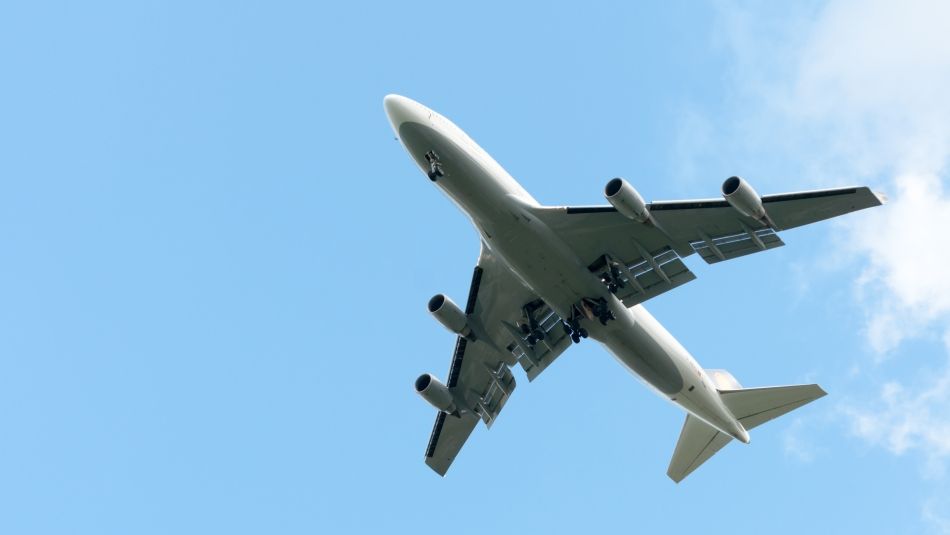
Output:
x,y
751,406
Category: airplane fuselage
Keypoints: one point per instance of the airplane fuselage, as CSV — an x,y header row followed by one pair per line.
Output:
x,y
503,212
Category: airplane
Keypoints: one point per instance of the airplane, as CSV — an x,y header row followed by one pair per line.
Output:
x,y
548,277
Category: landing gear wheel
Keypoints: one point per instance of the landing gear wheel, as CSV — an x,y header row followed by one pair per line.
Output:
x,y
435,167
532,340
538,334
612,288
583,332
575,338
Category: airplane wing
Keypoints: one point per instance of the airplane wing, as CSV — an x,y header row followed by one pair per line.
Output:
x,y
480,377
648,255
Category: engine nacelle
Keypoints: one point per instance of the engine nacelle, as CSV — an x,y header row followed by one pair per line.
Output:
x,y
743,198
626,200
436,393
449,314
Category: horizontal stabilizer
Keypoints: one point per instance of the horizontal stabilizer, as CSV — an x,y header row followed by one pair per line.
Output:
x,y
698,442
755,406
751,406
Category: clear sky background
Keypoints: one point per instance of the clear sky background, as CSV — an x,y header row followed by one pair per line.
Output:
x,y
215,258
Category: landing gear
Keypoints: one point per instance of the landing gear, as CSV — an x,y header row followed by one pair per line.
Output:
x,y
573,327
435,166
534,337
612,279
598,309
577,334
532,330
604,314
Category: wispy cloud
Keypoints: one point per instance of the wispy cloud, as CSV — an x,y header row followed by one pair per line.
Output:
x,y
936,514
861,88
904,280
909,419
796,443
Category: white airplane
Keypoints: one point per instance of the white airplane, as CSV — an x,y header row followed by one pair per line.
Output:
x,y
548,276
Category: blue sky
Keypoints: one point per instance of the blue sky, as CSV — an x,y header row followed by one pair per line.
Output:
x,y
215,258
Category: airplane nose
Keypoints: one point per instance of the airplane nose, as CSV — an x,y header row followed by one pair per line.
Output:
x,y
400,110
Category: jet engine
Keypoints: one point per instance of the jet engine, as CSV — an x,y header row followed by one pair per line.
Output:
x,y
743,198
626,200
436,393
449,315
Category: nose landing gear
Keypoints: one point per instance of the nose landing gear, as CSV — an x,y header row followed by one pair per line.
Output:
x,y
435,166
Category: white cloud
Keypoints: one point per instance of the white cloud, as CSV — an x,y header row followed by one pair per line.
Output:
x,y
909,419
796,443
861,88
907,251
876,75
935,514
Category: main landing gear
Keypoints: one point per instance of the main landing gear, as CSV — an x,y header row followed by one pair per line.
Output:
x,y
572,327
612,279
601,311
590,309
435,166
531,329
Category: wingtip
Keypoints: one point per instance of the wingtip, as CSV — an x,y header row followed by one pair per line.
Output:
x,y
881,197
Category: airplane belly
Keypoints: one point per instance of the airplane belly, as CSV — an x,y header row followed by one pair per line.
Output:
x,y
651,352
547,266
634,340
541,260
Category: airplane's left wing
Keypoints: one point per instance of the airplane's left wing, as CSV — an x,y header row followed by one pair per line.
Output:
x,y
506,319
645,257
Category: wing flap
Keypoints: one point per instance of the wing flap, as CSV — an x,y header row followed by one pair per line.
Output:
x,y
650,283
714,250
535,359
